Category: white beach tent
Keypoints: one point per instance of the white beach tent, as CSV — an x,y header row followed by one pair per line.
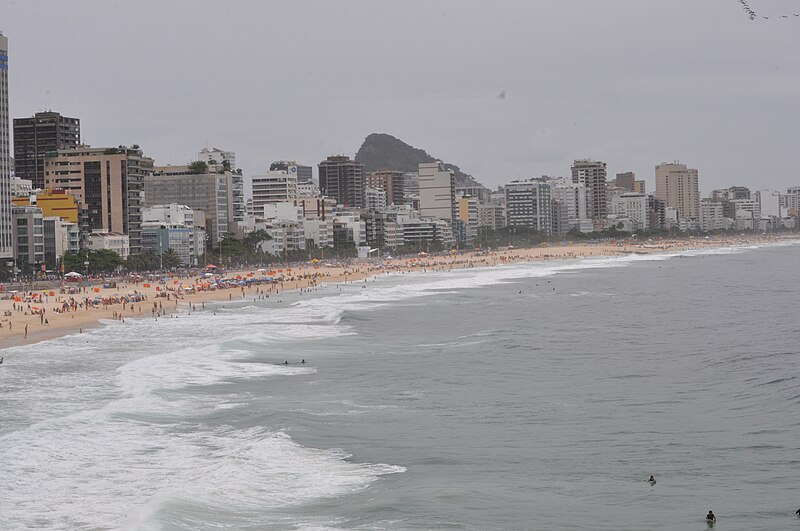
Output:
x,y
73,274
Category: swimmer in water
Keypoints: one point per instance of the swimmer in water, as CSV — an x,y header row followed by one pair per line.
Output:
x,y
710,518
652,480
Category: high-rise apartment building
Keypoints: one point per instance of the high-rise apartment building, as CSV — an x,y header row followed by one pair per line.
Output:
x,y
342,180
391,182
625,181
42,133
592,174
275,187
108,184
218,195
529,204
711,215
678,187
635,206
572,201
6,242
468,216
437,192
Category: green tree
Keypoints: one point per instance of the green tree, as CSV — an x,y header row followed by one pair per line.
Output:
x,y
100,261
198,167
170,259
144,261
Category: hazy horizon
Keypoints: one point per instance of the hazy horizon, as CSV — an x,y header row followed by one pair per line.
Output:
x,y
632,83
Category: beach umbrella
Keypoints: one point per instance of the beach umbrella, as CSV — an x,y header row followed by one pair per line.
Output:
x,y
73,274
211,266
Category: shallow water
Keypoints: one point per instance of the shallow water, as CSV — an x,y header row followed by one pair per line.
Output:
x,y
529,396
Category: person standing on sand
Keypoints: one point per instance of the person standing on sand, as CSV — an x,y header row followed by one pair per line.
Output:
x,y
26,331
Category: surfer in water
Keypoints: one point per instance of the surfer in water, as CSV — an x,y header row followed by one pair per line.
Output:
x,y
710,518
797,512
652,480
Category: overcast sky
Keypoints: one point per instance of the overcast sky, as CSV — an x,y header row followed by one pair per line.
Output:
x,y
629,82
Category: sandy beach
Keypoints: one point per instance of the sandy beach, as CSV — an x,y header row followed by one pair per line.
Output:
x,y
32,317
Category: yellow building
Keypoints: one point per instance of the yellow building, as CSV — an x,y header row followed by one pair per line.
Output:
x,y
53,203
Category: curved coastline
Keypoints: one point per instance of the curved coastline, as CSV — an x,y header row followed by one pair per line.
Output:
x,y
306,276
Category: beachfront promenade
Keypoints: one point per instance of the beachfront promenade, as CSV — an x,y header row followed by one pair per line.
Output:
x,y
33,316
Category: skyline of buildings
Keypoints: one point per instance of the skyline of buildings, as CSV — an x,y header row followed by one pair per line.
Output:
x,y
70,196
97,196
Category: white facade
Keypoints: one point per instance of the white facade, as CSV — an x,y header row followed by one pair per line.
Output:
x,y
615,205
769,203
635,206
174,214
274,187
308,189
21,187
113,241
573,198
529,204
374,199
437,192
319,231
353,223
711,216
217,156
791,201
748,213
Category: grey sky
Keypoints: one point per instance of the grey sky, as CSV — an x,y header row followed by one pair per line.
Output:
x,y
629,82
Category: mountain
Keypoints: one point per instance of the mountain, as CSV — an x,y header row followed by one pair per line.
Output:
x,y
385,152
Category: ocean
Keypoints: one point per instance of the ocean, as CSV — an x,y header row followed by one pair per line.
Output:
x,y
524,396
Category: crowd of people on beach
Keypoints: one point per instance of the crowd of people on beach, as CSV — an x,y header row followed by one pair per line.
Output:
x,y
106,297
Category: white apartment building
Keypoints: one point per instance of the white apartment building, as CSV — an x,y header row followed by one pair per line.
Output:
x,y
635,206
274,187
529,204
175,227
748,214
113,241
769,203
351,222
374,199
791,201
319,231
437,192
711,215
572,197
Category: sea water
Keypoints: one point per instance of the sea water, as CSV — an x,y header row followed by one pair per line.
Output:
x,y
524,396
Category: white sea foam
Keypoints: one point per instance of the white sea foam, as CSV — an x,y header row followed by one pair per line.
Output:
x,y
118,442
122,451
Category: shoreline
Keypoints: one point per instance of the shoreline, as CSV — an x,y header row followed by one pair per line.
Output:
x,y
179,294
